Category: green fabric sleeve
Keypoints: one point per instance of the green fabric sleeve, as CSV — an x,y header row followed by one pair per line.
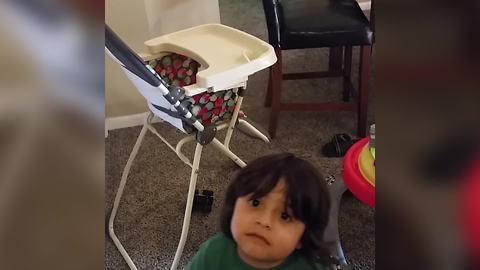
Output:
x,y
199,261
209,254
219,253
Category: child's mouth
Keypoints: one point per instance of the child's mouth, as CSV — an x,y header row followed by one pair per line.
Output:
x,y
259,237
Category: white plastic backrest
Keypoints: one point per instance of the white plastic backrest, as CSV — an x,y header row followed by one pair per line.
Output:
x,y
152,94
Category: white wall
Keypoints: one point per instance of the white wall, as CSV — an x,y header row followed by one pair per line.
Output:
x,y
166,16
127,18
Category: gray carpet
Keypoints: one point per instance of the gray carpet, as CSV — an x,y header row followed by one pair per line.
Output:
x,y
150,216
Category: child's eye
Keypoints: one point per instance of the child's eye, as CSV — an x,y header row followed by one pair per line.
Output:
x,y
254,202
285,216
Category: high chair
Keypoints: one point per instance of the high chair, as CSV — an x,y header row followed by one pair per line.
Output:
x,y
195,79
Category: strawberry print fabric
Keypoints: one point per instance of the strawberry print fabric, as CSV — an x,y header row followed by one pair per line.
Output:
x,y
209,108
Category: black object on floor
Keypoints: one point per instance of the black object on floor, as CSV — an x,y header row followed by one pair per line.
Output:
x,y
338,146
203,202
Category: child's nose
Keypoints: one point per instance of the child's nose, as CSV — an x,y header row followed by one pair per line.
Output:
x,y
265,219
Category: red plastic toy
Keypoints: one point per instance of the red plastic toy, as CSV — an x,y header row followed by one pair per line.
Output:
x,y
353,178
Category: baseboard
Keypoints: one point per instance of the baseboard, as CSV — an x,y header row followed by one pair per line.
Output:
x,y
132,120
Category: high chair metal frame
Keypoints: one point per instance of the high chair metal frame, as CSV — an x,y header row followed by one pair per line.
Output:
x,y
233,72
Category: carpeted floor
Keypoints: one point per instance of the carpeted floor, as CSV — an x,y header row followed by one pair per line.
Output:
x,y
150,216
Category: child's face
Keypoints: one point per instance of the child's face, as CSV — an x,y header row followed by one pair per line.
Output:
x,y
265,232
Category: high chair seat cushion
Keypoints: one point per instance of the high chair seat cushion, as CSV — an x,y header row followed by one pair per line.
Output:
x,y
209,108
214,107
176,69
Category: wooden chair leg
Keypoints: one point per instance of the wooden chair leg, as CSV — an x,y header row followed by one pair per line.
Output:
x,y
268,96
363,78
335,59
276,86
347,71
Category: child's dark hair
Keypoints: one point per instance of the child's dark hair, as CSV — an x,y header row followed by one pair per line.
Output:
x,y
307,196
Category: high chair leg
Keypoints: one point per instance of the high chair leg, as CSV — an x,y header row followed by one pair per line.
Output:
x,y
228,153
249,128
188,208
231,125
119,194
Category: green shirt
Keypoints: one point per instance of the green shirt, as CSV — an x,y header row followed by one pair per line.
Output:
x,y
220,253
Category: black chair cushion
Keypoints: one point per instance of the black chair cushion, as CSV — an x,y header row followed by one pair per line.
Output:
x,y
316,23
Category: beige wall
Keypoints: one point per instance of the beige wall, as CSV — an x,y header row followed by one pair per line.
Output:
x,y
177,15
136,21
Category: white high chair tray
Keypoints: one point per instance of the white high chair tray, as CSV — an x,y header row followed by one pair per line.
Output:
x,y
227,56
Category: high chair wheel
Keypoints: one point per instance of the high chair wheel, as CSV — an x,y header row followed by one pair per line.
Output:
x,y
207,206
197,201
203,202
209,200
207,192
207,209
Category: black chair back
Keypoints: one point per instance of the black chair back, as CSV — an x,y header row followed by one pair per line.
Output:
x,y
274,17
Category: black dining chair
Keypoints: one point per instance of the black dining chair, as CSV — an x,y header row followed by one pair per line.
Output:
x,y
336,24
